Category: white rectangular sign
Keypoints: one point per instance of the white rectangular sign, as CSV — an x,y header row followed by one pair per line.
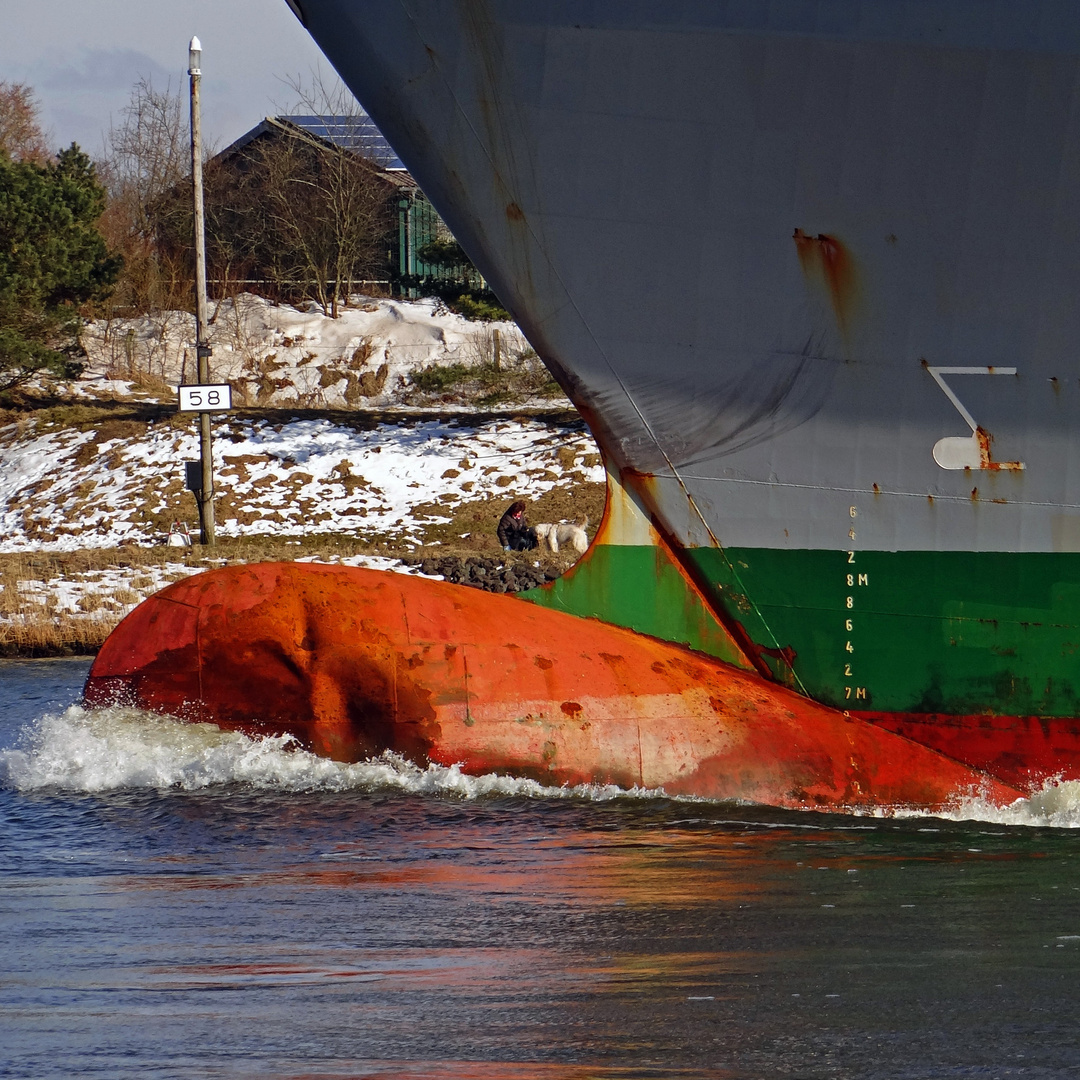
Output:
x,y
206,398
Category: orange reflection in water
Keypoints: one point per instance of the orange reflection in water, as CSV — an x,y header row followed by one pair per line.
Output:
x,y
677,867
571,871
504,1070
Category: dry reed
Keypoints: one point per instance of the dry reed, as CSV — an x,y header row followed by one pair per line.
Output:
x,y
54,636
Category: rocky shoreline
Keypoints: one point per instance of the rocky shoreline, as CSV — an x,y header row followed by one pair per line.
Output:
x,y
491,575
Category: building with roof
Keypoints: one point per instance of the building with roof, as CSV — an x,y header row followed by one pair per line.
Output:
x,y
410,221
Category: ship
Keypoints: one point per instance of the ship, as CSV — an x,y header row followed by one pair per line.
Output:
x,y
845,479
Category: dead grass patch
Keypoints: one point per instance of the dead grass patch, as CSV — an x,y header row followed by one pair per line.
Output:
x,y
63,636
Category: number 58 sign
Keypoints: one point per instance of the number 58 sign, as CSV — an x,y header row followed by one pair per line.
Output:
x,y
205,398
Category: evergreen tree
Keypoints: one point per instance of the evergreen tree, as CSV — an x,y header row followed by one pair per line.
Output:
x,y
52,260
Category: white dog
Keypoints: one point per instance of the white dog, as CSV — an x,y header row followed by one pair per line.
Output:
x,y
566,533
546,537
563,534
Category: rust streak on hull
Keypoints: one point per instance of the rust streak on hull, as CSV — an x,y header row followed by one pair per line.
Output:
x,y
827,258
353,662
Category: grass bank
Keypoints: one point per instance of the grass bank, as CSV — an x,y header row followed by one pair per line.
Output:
x,y
65,603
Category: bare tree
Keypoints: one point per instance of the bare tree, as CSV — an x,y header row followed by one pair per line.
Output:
x,y
21,137
326,210
304,211
327,200
147,158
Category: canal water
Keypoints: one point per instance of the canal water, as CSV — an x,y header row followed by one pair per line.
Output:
x,y
176,902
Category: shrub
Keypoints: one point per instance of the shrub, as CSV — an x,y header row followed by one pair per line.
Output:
x,y
439,377
477,308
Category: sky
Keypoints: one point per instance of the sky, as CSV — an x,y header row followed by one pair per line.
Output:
x,y
82,58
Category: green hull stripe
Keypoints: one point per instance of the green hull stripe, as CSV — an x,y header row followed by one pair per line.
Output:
x,y
959,633
638,587
950,632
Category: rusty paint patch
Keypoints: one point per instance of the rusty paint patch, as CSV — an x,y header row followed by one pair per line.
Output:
x,y
986,461
826,258
786,655
571,708
741,601
514,212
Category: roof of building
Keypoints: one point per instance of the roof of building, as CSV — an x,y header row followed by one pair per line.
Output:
x,y
357,133
350,133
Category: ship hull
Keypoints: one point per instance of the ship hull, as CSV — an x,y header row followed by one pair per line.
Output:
x,y
810,277
809,272
353,663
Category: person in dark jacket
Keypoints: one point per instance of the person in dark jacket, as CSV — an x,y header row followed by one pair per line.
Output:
x,y
514,532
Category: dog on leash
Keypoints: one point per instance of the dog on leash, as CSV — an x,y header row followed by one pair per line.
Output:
x,y
563,534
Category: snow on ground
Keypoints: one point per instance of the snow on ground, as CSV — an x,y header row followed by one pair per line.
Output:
x,y
95,595
60,490
275,354
108,595
70,483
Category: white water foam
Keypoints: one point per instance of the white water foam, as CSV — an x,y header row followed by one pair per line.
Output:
x,y
1055,805
96,750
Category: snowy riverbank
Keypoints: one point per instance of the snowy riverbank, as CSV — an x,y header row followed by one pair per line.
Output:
x,y
276,355
93,483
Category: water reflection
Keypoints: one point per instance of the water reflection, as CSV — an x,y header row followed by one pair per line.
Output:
x,y
246,929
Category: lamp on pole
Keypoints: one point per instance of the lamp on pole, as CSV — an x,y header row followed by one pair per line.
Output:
x,y
205,496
